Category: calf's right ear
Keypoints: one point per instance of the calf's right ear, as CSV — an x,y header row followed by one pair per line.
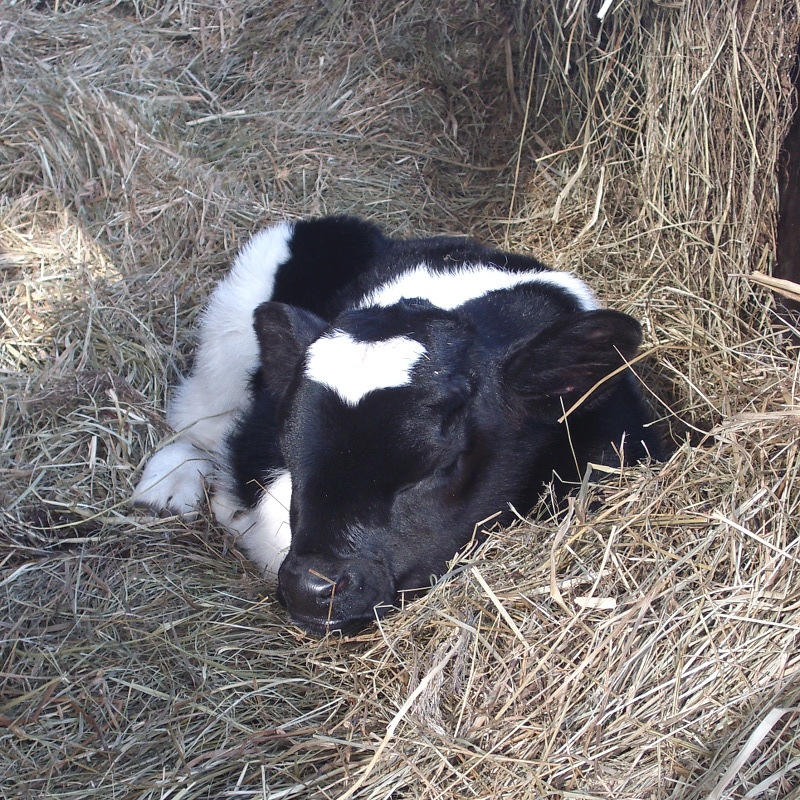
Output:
x,y
553,369
283,332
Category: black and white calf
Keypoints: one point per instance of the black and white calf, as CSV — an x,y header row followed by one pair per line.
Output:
x,y
360,403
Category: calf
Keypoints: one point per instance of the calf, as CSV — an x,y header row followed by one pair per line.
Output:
x,y
360,403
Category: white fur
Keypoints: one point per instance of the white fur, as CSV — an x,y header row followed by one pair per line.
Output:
x,y
450,290
262,532
227,353
353,369
174,479
203,407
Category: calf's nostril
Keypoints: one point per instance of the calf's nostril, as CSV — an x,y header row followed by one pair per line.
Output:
x,y
318,584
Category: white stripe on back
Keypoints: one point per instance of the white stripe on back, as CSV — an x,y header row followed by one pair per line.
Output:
x,y
448,290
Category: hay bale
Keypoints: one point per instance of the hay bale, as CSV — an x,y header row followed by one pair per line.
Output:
x,y
648,649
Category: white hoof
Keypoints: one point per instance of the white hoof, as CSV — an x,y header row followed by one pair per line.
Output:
x,y
173,482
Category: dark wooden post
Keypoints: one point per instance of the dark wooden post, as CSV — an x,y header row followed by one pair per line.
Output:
x,y
787,264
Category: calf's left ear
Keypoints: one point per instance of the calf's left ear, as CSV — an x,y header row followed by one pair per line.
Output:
x,y
283,332
563,362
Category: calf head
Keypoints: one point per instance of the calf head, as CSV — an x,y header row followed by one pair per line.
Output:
x,y
404,427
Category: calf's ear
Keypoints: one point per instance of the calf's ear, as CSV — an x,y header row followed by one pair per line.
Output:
x,y
283,332
553,369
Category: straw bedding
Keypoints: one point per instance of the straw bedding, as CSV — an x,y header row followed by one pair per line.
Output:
x,y
643,642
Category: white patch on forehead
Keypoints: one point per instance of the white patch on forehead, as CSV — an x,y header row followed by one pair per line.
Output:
x,y
448,290
353,369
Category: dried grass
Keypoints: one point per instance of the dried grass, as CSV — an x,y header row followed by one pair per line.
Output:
x,y
644,647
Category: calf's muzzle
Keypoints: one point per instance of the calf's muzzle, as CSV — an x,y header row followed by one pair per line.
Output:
x,y
324,593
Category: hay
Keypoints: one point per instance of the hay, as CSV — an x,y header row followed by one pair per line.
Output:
x,y
647,646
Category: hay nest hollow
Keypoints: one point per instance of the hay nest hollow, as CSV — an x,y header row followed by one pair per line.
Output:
x,y
648,649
